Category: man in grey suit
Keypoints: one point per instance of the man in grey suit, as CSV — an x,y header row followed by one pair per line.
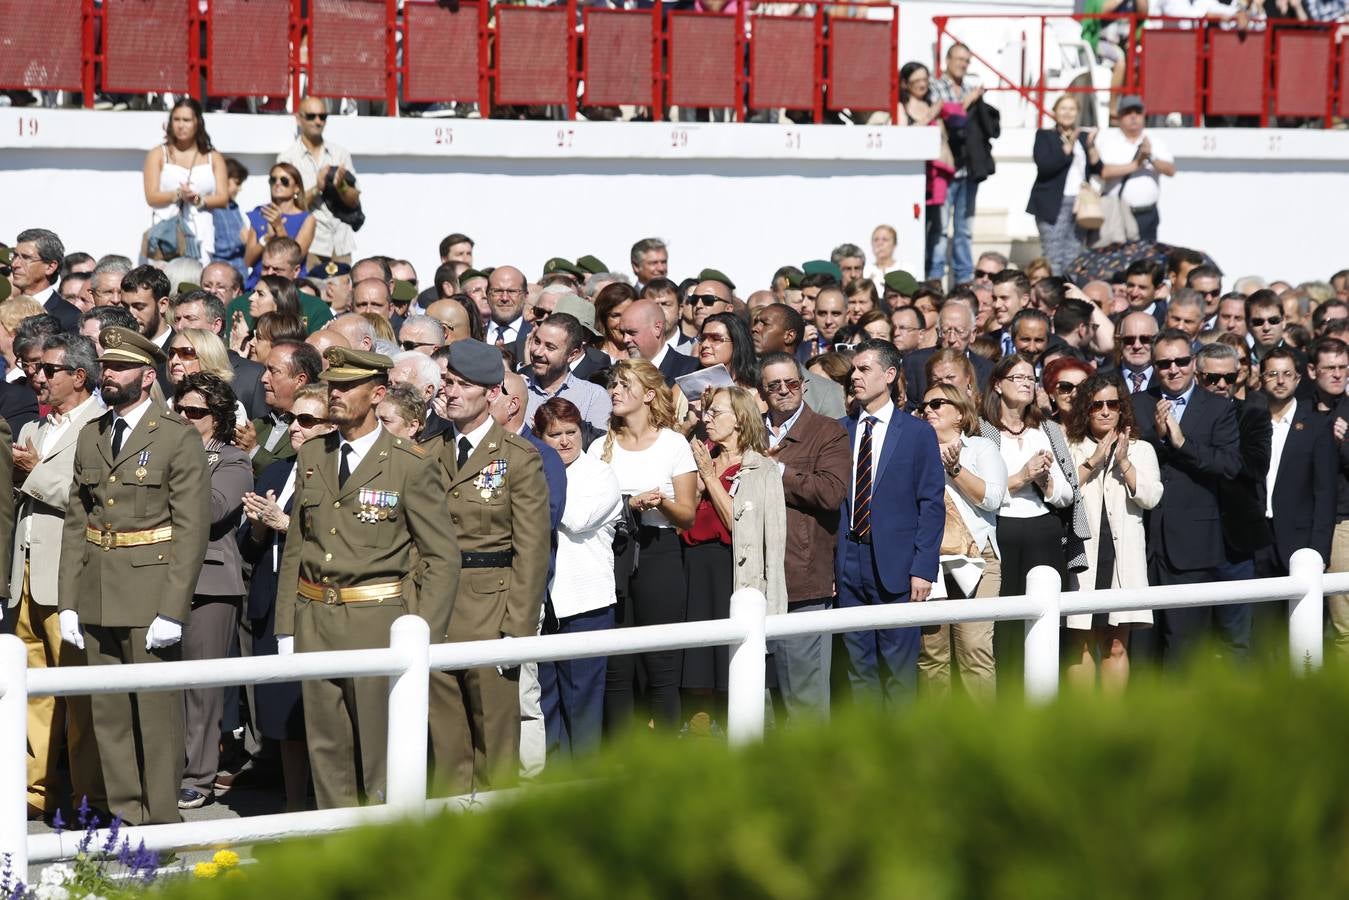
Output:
x,y
44,460
202,309
778,328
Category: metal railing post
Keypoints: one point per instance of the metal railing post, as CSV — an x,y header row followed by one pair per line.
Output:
x,y
409,700
1042,636
14,753
745,701
1305,622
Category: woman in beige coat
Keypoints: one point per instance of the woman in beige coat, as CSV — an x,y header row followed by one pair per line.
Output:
x,y
1119,481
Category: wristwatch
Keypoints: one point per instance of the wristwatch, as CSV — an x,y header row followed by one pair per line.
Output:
x,y
954,470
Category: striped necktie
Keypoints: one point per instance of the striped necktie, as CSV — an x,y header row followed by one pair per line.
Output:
x,y
861,509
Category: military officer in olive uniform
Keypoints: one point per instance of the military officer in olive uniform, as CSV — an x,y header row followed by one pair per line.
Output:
x,y
498,507
368,518
132,545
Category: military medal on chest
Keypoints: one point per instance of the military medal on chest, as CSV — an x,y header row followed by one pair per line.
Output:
x,y
141,460
376,506
491,479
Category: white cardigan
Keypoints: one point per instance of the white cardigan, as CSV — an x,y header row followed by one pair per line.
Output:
x,y
759,530
1124,511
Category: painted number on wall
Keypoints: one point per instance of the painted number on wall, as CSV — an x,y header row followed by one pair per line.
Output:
x,y
793,140
875,140
444,136
1208,143
565,137
27,127
679,138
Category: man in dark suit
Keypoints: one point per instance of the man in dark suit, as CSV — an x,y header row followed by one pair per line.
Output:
x,y
1141,281
897,482
290,366
1198,445
643,328
506,292
1133,351
1328,370
812,452
955,330
36,260
201,309
18,405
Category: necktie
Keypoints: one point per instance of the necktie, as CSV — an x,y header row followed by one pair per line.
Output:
x,y
1135,382
119,428
344,467
501,336
465,448
1179,401
861,508
1008,348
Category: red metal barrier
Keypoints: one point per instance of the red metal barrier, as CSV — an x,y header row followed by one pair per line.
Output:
x,y
248,48
705,53
778,74
46,51
146,45
622,57
441,52
1304,73
1238,79
1171,77
856,81
348,56
1344,84
534,53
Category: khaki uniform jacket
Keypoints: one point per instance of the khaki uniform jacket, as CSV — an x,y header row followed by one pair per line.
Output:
x,y
514,516
330,541
159,479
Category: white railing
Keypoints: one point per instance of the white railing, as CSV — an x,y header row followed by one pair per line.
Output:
x,y
410,657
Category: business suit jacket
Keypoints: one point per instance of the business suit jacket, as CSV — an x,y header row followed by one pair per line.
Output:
x,y
1185,529
908,509
915,371
1242,498
816,458
262,582
594,366
1304,486
127,587
42,499
247,385
1051,173
496,602
676,364
825,396
65,312
231,475
18,405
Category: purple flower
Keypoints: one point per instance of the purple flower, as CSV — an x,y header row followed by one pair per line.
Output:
x,y
58,823
111,843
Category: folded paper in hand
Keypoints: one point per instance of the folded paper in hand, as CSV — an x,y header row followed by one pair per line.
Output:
x,y
694,383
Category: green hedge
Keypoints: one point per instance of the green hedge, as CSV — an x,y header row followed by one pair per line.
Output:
x,y
1224,786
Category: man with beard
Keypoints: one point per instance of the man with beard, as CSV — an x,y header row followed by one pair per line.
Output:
x,y
366,545
134,539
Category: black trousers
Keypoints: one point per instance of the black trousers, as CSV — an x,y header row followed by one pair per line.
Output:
x,y
1023,545
656,595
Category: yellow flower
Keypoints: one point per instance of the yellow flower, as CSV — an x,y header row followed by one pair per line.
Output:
x,y
205,870
225,859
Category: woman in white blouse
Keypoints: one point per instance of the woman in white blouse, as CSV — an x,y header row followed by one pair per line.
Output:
x,y
976,482
1120,481
1030,532
582,589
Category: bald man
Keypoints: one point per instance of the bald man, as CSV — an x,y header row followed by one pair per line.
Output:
x,y
642,326
507,291
323,339
758,300
453,319
707,298
372,296
357,332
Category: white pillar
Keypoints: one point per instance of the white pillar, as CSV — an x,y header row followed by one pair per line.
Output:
x,y
14,753
745,703
1305,623
1042,636
409,700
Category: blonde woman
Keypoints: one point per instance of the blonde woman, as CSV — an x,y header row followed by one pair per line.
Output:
x,y
198,350
287,215
884,239
658,479
12,312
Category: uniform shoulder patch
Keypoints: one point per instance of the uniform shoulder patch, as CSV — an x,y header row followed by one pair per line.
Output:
x,y
520,443
410,447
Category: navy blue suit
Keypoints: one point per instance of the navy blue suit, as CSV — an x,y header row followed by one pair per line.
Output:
x,y
908,516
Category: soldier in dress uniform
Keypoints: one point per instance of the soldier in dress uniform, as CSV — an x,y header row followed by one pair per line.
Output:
x,y
498,505
133,542
367,520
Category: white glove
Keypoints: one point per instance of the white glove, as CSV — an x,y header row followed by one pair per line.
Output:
x,y
502,670
69,620
162,633
285,645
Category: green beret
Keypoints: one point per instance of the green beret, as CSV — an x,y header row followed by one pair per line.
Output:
x,y
403,291
822,267
5,289
793,277
901,283
716,275
470,274
477,362
346,364
122,345
591,265
187,287
6,255
558,264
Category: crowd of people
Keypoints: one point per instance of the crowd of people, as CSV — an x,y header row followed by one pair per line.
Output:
x,y
198,468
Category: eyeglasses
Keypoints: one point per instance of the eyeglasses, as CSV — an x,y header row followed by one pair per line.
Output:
x,y
283,180
956,332
1098,405
183,352
305,420
49,370
1272,320
783,385
705,299
712,412
715,338
1179,362
1278,376
1020,379
315,117
504,292
1141,340
936,403
413,345
27,257
194,412
1066,387
1213,378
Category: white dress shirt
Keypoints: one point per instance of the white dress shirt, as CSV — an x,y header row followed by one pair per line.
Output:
x,y
507,333
359,448
475,437
1026,503
583,575
1278,440
132,418
878,430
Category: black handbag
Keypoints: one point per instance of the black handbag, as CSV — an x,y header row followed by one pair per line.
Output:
x,y
351,215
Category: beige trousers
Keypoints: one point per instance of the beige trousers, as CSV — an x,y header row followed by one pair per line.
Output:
x,y
1339,603
973,643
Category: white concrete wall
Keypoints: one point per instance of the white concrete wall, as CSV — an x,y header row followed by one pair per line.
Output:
x,y
742,198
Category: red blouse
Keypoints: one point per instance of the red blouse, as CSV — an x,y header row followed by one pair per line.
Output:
x,y
707,525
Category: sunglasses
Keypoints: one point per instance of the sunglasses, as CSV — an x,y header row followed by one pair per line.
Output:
x,y
1143,340
1272,320
183,352
936,403
790,385
705,299
413,345
305,420
1179,362
1065,387
194,412
1213,378
283,180
714,338
1209,294
50,369
1098,405
315,117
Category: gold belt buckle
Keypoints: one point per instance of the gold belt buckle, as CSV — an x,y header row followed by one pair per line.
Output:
x,y
106,539
330,596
